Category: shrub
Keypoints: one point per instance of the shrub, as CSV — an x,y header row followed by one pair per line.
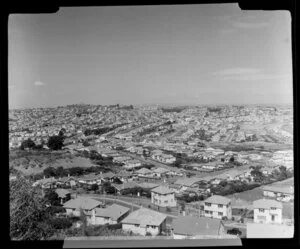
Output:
x,y
60,223
234,231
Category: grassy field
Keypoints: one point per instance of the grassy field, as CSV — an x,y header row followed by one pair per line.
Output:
x,y
36,161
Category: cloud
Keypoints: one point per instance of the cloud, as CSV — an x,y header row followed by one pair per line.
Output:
x,y
250,25
227,31
253,77
237,71
39,83
253,74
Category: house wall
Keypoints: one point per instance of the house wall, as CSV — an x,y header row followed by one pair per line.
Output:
x,y
141,230
214,210
104,220
163,200
265,216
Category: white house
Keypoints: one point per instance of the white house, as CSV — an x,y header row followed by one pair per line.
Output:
x,y
110,215
163,196
87,205
217,207
143,221
283,193
267,211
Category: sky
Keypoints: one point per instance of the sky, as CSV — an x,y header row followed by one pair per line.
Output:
x,y
180,54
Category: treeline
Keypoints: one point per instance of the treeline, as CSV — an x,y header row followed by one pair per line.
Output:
x,y
173,109
214,109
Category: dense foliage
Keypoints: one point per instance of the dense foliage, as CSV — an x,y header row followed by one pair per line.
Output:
x,y
28,215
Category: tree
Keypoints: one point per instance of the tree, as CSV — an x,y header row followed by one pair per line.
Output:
x,y
62,132
94,187
28,216
27,144
85,143
55,142
52,197
49,172
60,223
234,231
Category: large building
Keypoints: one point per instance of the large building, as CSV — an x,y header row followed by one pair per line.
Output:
x,y
163,196
217,207
284,193
267,211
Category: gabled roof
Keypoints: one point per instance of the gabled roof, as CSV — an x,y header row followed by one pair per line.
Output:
x,y
191,226
267,204
62,192
278,189
187,181
82,203
148,185
114,211
143,171
160,170
144,217
218,199
162,190
125,185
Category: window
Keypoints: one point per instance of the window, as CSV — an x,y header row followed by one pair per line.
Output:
x,y
220,213
136,225
165,201
273,208
207,204
220,205
206,212
210,212
261,210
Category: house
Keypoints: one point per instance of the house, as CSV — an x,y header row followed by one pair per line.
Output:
x,y
143,221
143,172
46,183
160,172
267,211
126,185
279,192
87,205
148,185
90,179
187,182
163,196
258,230
109,215
132,164
189,226
63,195
217,207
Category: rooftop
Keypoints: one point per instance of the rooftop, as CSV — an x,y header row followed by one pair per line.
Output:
x,y
82,203
267,204
144,217
114,211
218,199
162,190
